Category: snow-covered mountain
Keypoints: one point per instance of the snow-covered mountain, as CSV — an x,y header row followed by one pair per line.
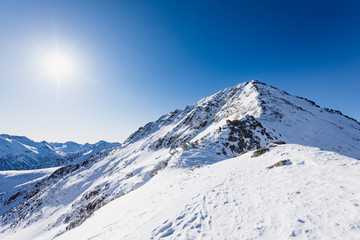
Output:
x,y
22,153
225,125
251,115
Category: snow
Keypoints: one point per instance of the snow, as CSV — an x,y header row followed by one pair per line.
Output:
x,y
87,152
316,197
33,149
6,139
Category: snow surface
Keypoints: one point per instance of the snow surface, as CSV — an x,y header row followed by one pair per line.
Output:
x,y
316,197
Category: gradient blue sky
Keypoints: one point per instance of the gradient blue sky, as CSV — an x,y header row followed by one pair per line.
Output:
x,y
137,60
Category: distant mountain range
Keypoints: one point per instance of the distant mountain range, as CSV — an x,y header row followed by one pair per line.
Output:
x,y
273,146
22,153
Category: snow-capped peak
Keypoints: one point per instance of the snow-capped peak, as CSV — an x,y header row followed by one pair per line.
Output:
x,y
272,113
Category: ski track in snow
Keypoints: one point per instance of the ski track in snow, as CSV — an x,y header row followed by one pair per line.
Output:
x,y
316,197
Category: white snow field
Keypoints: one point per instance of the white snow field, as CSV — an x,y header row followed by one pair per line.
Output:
x,y
317,196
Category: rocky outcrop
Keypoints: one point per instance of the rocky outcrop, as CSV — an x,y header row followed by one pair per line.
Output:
x,y
244,133
280,163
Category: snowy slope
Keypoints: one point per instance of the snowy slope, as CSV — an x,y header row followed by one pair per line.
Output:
x,y
249,115
17,186
301,121
72,193
317,196
21,153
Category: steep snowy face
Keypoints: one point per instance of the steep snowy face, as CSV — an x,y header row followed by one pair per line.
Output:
x,y
248,116
298,120
224,124
180,126
20,153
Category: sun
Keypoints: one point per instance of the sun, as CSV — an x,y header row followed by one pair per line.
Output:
x,y
59,65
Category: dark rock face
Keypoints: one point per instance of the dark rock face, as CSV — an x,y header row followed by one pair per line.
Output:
x,y
259,152
13,197
90,202
158,168
243,134
277,143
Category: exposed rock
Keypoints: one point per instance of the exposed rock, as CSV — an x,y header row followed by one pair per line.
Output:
x,y
277,143
13,197
280,163
129,175
159,168
244,134
259,151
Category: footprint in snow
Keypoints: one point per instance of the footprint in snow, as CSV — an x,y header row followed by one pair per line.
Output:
x,y
165,230
300,221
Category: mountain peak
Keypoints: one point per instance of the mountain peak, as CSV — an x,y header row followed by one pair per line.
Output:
x,y
272,114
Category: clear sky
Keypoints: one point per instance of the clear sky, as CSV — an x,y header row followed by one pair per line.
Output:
x,y
133,61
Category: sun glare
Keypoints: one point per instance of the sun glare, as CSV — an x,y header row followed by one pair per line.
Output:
x,y
59,65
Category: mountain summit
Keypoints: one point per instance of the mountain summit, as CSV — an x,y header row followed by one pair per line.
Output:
x,y
249,119
248,116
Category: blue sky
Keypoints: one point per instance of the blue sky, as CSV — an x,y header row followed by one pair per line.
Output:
x,y
137,60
